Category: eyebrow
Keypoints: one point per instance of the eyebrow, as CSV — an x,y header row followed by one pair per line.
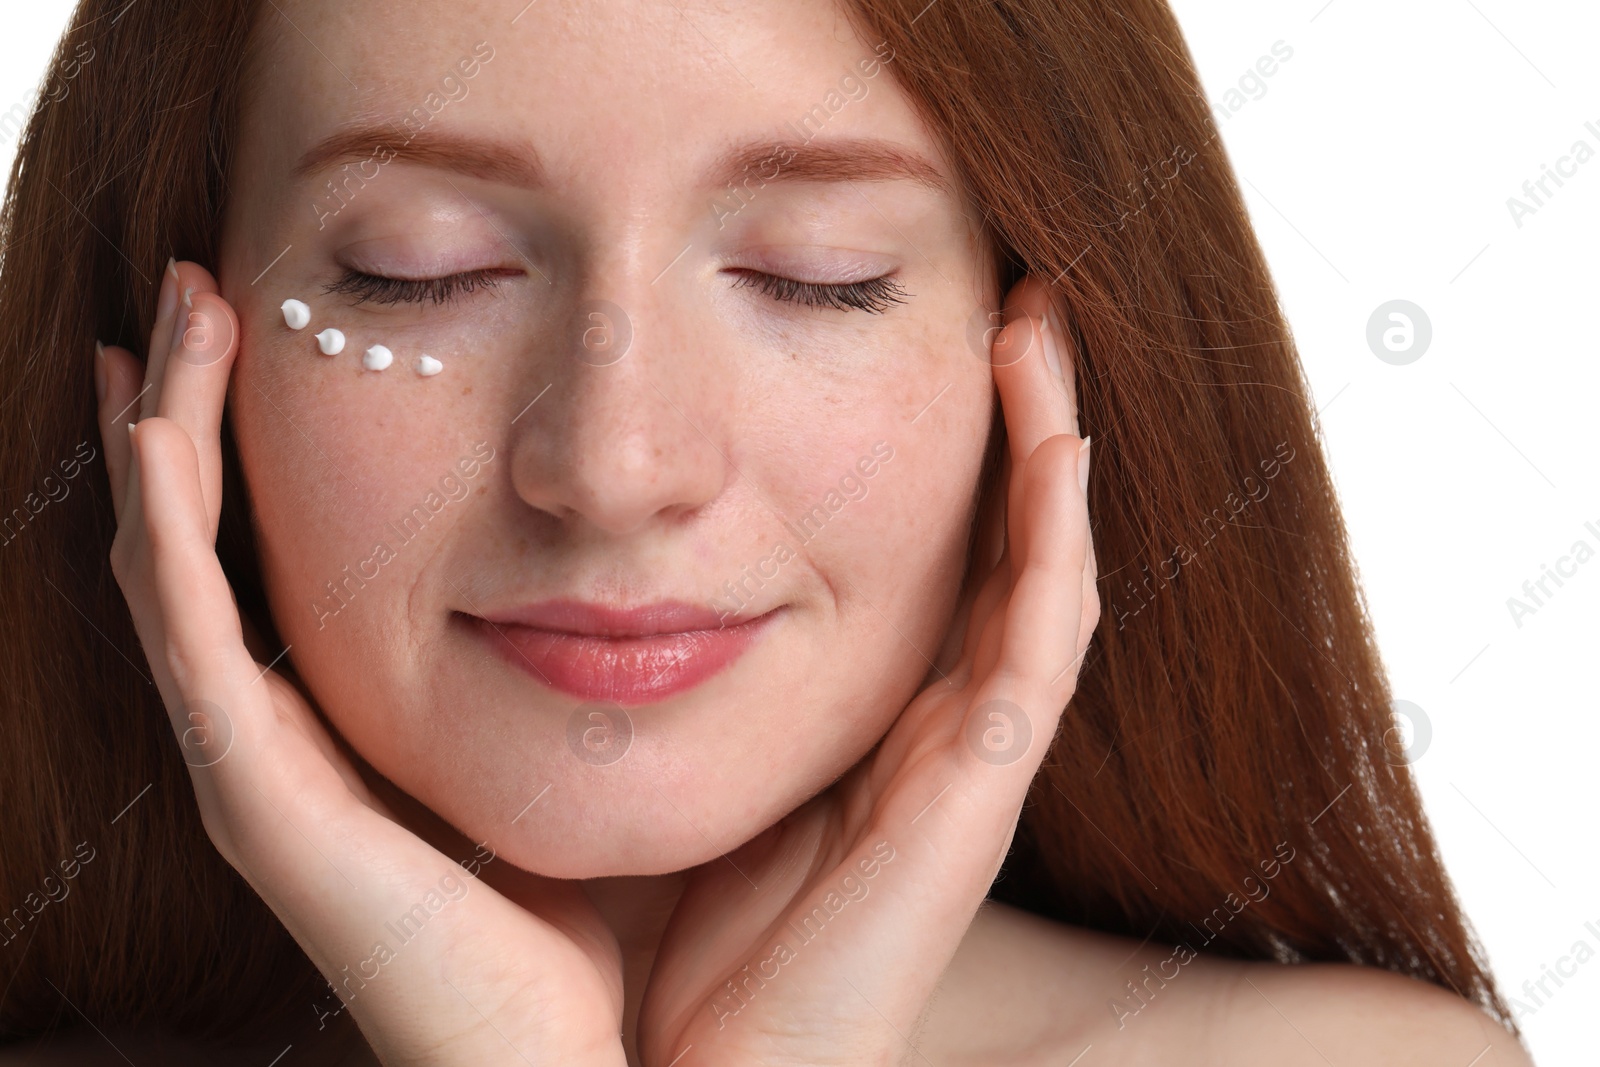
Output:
x,y
860,159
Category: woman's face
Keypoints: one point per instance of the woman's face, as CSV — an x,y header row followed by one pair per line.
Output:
x,y
628,414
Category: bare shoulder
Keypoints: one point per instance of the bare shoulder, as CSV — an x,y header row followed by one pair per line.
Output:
x,y
1368,1014
1025,991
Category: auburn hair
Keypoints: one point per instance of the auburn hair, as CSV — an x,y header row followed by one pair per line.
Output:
x,y
1233,710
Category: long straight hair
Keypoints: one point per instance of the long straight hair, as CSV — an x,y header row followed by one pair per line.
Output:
x,y
1232,725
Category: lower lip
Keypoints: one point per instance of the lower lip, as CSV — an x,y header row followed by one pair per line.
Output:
x,y
624,670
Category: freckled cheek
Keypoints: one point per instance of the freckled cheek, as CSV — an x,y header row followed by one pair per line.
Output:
x,y
927,368
895,440
331,449
842,499
890,544
896,483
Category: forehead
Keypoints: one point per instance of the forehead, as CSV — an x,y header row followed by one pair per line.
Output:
x,y
602,91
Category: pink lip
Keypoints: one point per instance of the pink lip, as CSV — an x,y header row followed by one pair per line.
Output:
x,y
630,656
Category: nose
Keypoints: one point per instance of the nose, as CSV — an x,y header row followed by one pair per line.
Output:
x,y
631,421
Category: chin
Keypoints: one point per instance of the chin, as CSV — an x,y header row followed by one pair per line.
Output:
x,y
582,858
636,817
575,848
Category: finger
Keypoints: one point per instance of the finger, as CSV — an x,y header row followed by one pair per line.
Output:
x,y
202,647
1091,577
1059,339
1033,395
160,338
1091,609
146,381
172,320
1031,414
240,754
1038,403
1000,634
117,408
194,384
1044,633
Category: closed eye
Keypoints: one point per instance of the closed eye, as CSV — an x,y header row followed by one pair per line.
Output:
x,y
382,289
875,295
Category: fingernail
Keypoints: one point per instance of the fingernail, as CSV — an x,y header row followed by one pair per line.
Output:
x,y
1083,466
1052,349
130,431
187,295
168,299
100,372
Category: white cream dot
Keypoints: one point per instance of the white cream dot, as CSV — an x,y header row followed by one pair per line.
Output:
x,y
297,314
331,342
427,366
377,358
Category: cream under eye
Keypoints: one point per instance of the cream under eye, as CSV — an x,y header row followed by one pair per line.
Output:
x,y
874,295
382,289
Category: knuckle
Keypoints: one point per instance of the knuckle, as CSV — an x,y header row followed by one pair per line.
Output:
x,y
180,665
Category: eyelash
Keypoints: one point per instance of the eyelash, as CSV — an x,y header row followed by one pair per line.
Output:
x,y
381,289
875,295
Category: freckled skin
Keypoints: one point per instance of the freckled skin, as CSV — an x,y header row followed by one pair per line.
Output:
x,y
665,474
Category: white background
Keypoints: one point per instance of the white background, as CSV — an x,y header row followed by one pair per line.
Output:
x,y
1377,163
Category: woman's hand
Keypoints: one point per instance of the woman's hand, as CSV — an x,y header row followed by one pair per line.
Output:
x,y
484,981
866,891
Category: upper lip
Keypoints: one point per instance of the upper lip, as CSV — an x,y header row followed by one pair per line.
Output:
x,y
565,615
